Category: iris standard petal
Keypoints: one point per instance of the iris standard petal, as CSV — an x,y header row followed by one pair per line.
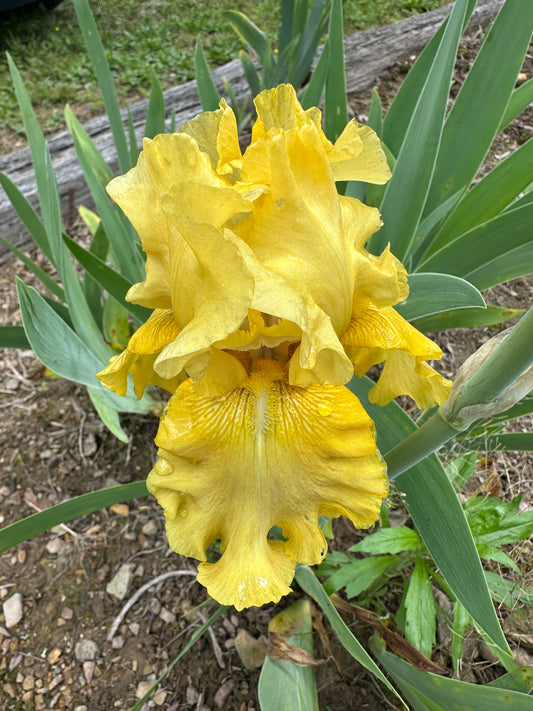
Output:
x,y
265,454
173,164
216,134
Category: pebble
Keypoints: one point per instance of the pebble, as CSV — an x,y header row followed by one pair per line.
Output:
x,y
251,651
143,687
53,656
12,607
166,615
117,642
88,671
121,581
223,693
86,650
14,662
120,509
9,689
28,683
159,698
150,528
57,546
11,384
154,606
80,708
89,445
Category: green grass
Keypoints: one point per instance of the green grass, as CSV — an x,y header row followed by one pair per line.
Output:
x,y
140,36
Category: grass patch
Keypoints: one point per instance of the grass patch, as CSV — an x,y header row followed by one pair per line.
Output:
x,y
139,36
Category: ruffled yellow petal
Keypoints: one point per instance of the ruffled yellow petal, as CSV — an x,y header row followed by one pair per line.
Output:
x,y
379,335
296,227
320,356
139,357
224,288
404,374
357,155
265,454
173,176
384,330
261,330
216,134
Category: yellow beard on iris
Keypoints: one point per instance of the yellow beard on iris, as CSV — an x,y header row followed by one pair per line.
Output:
x,y
265,304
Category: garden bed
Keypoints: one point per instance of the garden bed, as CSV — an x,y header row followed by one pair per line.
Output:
x,y
53,446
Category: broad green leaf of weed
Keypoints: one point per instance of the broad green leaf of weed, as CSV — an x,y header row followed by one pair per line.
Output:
x,y
420,611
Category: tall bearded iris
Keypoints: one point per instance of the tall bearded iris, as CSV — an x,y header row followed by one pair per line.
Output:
x,y
265,301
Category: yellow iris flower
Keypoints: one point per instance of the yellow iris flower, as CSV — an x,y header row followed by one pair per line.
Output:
x,y
265,301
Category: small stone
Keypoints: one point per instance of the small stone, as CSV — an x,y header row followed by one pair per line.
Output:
x,y
120,509
167,616
67,613
81,708
134,628
159,698
86,650
11,384
117,642
150,528
14,662
57,546
12,610
27,696
121,581
21,556
154,606
28,683
54,655
88,671
223,693
191,695
9,689
251,651
89,445
143,688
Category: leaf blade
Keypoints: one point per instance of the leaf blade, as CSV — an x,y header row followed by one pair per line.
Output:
x,y
37,523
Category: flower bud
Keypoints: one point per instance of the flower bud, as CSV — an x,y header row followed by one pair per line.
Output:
x,y
476,408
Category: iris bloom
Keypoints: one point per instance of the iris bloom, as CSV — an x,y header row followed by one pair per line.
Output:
x,y
265,302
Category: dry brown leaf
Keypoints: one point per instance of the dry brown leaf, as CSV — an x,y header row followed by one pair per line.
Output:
x,y
396,643
279,648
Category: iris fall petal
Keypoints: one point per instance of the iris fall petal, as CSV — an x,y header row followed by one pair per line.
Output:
x,y
265,454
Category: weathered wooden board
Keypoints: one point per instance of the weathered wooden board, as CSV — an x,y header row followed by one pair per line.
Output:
x,y
367,54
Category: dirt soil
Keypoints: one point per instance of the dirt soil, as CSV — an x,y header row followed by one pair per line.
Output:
x,y
60,655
